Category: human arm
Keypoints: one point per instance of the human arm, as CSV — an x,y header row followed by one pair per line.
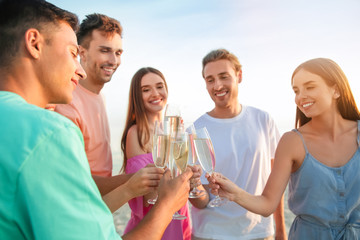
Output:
x,y
142,182
173,194
133,153
286,157
108,184
280,229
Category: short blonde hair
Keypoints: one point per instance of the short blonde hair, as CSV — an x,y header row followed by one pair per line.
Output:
x,y
220,54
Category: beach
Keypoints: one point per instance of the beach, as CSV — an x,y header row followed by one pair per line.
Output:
x,y
121,217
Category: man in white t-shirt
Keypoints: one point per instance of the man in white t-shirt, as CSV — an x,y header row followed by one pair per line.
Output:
x,y
244,139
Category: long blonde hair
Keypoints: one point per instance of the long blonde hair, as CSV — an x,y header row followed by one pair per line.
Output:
x,y
136,113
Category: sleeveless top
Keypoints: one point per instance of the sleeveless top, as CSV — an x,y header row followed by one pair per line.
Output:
x,y
325,200
177,229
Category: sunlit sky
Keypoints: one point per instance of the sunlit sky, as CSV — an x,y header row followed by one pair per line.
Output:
x,y
271,38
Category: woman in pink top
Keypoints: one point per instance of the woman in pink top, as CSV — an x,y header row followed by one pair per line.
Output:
x,y
147,99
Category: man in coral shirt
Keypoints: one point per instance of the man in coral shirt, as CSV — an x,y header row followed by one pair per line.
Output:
x,y
100,49
45,184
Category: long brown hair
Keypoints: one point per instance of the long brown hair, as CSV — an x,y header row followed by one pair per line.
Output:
x,y
136,113
333,76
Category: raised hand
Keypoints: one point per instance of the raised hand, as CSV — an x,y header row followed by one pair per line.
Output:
x,y
174,192
145,180
142,182
195,179
222,186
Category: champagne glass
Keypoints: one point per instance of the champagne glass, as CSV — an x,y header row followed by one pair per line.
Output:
x,y
173,116
195,192
172,110
161,148
178,157
206,156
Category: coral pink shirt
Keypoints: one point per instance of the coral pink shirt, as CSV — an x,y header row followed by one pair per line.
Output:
x,y
87,111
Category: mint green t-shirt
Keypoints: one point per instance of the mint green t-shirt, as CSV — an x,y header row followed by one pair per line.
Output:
x,y
46,189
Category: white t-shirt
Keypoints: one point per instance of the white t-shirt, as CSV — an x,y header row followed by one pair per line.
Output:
x,y
244,146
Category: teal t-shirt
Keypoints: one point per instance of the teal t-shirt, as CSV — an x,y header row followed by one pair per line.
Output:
x,y
46,189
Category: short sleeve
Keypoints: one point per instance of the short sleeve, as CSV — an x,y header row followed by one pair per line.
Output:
x,y
57,194
71,112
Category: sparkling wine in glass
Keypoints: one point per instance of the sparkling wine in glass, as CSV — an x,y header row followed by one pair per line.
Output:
x,y
206,156
173,117
190,128
178,157
180,151
161,148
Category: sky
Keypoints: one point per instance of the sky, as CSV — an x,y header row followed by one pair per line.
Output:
x,y
270,38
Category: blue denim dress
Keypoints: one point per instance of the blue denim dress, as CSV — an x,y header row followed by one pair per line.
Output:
x,y
325,200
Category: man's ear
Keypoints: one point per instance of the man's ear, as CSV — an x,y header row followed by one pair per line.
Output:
x,y
239,75
82,52
33,42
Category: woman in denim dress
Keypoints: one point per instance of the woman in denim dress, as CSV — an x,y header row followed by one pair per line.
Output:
x,y
320,159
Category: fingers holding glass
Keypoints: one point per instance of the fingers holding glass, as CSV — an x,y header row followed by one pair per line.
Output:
x,y
206,156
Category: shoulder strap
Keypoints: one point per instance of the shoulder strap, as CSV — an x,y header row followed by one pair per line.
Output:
x,y
302,139
358,137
